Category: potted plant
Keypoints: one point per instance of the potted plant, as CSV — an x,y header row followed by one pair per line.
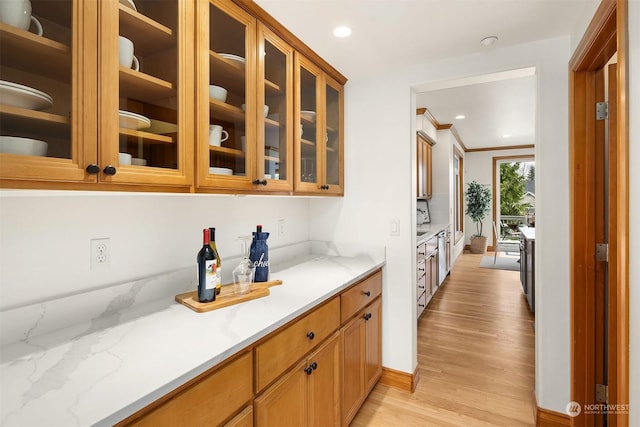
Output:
x,y
478,199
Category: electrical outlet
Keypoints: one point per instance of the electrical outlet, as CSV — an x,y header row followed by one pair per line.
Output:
x,y
100,253
281,227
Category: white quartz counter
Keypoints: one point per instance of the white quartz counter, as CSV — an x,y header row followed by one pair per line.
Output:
x,y
529,233
114,364
429,231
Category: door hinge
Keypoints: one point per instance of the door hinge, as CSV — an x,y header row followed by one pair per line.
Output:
x,y
602,110
602,252
602,393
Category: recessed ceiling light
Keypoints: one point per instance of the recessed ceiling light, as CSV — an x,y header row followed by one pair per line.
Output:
x,y
489,41
460,116
342,31
506,135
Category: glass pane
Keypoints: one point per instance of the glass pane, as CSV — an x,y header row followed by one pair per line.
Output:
x,y
35,80
227,90
332,137
148,75
308,156
275,126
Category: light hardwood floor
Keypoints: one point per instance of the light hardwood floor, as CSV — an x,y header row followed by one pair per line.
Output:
x,y
475,357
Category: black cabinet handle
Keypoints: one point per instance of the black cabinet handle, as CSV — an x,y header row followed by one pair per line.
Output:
x,y
421,287
93,169
324,187
420,269
367,316
258,182
308,370
263,182
367,293
421,253
109,170
421,305
314,366
311,335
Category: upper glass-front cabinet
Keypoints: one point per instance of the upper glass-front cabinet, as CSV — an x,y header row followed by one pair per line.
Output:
x,y
319,104
146,91
43,132
226,142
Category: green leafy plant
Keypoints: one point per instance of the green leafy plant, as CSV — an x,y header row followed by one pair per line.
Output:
x,y
478,198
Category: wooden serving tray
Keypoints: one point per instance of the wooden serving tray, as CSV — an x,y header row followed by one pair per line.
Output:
x,y
227,296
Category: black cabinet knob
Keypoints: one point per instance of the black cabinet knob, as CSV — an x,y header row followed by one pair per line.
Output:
x,y
367,316
109,170
367,293
258,182
93,169
311,335
308,370
324,187
421,305
263,182
421,287
314,366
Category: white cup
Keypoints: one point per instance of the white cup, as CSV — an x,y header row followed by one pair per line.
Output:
x,y
17,13
218,92
124,158
125,54
217,135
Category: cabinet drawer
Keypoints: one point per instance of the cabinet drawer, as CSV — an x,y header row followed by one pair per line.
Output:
x,y
422,304
421,251
201,403
279,352
360,295
421,283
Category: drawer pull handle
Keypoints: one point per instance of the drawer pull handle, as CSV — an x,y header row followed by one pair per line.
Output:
x,y
308,370
367,293
421,287
311,335
420,269
367,316
421,305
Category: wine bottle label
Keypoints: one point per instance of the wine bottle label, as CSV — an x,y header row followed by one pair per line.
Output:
x,y
210,273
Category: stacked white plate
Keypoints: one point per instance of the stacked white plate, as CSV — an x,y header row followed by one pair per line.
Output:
x,y
18,95
25,146
308,115
221,171
236,58
129,120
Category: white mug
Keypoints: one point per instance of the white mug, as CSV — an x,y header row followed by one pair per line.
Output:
x,y
217,135
17,13
125,54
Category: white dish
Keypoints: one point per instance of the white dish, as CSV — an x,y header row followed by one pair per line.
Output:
x,y
221,171
18,95
124,158
136,161
129,120
233,57
129,3
25,146
308,115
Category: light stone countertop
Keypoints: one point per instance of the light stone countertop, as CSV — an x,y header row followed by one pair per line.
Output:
x,y
100,371
528,232
430,230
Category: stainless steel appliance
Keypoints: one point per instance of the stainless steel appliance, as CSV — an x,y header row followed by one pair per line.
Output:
x,y
443,258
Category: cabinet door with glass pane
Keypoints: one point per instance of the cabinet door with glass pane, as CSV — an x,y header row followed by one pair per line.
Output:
x,y
310,132
146,103
48,81
226,93
333,152
275,112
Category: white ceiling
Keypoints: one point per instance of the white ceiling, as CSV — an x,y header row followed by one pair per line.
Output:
x,y
390,33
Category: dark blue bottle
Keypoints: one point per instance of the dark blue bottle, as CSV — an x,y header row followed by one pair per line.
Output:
x,y
259,255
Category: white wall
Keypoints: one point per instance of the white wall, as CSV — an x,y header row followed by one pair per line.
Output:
x,y
45,235
634,212
479,167
379,175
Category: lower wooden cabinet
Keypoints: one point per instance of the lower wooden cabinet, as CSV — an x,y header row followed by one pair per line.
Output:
x,y
309,395
208,401
243,419
361,359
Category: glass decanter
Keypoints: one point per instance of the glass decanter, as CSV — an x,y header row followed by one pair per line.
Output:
x,y
243,273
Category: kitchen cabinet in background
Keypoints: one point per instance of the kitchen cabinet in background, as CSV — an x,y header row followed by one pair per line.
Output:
x,y
424,157
427,258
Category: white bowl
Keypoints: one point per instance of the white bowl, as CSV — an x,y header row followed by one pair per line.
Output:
x,y
218,92
266,109
308,115
25,146
124,158
138,162
220,171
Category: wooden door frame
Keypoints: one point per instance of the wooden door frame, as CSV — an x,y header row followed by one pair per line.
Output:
x,y
607,34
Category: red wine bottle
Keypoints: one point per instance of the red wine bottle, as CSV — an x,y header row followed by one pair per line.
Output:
x,y
212,243
207,265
